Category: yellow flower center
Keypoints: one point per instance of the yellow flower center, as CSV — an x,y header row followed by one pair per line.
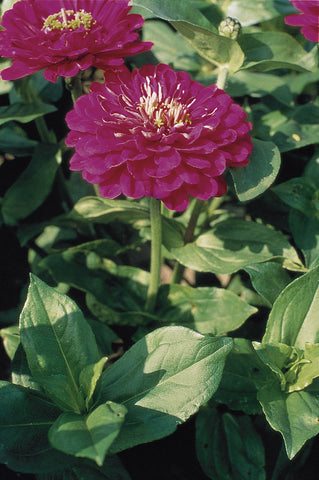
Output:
x,y
69,20
167,113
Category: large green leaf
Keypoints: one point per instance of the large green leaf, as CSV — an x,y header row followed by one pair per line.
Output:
x,y
162,380
250,13
294,317
268,279
120,288
24,423
271,50
285,131
232,244
104,210
219,50
305,231
24,113
58,342
298,193
15,141
170,47
90,436
294,415
259,174
244,372
179,10
207,310
34,184
228,447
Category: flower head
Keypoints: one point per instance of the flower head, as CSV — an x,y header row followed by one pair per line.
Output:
x,y
156,133
65,36
308,19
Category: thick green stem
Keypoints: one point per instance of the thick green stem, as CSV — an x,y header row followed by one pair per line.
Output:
x,y
156,257
222,77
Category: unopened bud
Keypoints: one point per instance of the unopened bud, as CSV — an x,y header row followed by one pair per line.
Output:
x,y
230,27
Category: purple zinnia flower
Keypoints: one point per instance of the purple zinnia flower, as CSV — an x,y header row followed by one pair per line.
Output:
x,y
154,132
65,36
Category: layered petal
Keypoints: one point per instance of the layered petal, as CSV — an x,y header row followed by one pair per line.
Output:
x,y
66,36
154,132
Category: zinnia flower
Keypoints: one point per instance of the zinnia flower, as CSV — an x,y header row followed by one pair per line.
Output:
x,y
308,19
156,133
65,36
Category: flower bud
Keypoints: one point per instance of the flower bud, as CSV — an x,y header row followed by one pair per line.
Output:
x,y
230,27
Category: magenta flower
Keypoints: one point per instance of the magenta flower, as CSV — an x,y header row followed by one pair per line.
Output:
x,y
65,36
156,133
308,19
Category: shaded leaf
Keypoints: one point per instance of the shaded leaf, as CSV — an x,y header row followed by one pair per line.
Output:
x,y
228,447
207,310
57,339
270,50
232,244
268,279
34,183
259,174
24,423
24,113
90,436
294,415
162,380
293,319
219,50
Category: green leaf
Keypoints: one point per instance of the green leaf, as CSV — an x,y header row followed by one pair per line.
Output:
x,y
294,415
57,339
14,140
112,469
219,50
271,50
104,210
170,47
24,113
90,436
305,231
309,370
298,193
11,339
180,10
34,184
248,13
232,244
288,134
228,447
293,319
244,372
162,380
89,378
205,309
268,279
24,423
259,174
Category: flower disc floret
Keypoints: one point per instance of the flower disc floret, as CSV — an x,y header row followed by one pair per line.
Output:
x,y
154,132
308,18
66,36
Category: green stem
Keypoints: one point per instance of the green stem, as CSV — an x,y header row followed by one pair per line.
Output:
x,y
222,77
74,85
156,257
188,237
189,234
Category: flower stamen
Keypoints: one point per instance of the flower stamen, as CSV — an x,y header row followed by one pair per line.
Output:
x,y
69,20
168,113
